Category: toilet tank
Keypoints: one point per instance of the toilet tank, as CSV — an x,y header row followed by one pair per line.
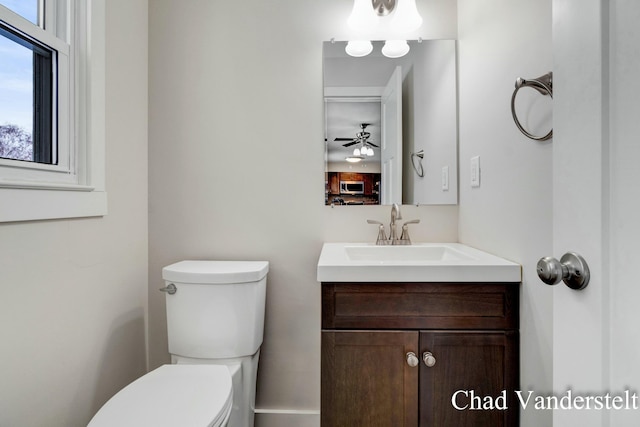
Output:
x,y
217,311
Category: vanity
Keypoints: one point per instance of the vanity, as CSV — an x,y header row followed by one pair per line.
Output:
x,y
420,335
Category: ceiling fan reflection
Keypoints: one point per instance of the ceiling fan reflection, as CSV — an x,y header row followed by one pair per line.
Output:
x,y
362,137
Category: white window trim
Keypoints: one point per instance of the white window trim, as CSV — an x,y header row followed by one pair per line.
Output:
x,y
24,200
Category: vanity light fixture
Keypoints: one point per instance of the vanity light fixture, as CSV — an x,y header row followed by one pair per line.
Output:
x,y
359,48
395,48
406,18
393,18
363,15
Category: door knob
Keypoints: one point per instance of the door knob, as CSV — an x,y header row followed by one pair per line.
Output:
x,y
572,269
428,359
412,359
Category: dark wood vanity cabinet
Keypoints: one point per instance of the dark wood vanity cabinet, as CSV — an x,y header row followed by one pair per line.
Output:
x,y
369,331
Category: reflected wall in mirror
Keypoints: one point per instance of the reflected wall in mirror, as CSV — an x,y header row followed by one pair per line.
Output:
x,y
391,125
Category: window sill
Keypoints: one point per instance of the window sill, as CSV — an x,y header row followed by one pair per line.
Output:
x,y
31,203
25,185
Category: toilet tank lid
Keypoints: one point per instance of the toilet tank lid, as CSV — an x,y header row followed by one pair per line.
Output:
x,y
215,272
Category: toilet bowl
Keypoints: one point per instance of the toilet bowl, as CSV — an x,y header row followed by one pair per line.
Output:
x,y
170,396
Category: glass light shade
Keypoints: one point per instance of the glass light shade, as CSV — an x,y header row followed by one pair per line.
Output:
x,y
363,18
356,152
353,159
369,151
395,48
406,17
359,48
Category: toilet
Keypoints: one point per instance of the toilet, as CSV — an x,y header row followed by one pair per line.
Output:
x,y
215,325
172,395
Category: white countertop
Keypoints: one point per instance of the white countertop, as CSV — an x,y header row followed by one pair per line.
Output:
x,y
419,262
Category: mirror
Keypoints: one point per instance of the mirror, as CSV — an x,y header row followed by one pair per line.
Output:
x,y
391,125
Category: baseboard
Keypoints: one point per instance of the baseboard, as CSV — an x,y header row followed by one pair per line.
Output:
x,y
286,418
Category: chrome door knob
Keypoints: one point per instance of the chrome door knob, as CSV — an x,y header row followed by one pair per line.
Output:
x,y
412,359
572,269
428,359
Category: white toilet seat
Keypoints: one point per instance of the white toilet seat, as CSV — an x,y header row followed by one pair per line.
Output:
x,y
170,396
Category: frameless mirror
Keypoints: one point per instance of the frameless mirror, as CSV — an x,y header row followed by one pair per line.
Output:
x,y
391,125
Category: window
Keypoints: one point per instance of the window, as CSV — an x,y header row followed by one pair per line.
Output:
x,y
36,109
26,103
51,109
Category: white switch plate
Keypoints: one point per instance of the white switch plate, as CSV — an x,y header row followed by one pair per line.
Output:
x,y
445,178
475,171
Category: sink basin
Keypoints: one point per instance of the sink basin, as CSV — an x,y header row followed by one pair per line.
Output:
x,y
421,262
405,253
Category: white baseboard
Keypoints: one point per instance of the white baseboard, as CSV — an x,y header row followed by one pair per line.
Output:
x,y
286,418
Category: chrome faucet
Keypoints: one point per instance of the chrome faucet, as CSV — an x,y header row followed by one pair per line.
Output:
x,y
393,232
395,214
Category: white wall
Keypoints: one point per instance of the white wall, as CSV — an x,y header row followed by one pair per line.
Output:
x,y
236,76
74,295
510,213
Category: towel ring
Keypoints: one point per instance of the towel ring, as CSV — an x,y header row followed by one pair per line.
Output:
x,y
544,85
418,169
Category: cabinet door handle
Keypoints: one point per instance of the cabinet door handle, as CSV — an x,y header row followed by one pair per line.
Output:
x,y
428,359
412,359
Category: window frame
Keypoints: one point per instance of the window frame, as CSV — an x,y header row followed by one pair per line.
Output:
x,y
75,187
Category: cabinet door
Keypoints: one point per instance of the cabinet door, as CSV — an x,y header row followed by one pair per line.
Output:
x,y
482,363
366,380
334,183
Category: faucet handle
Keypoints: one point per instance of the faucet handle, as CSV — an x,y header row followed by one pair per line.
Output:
x,y
404,237
382,236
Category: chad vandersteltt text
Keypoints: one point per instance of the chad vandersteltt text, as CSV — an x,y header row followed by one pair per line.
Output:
x,y
470,400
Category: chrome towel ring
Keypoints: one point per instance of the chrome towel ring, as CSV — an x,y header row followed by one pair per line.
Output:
x,y
417,166
544,85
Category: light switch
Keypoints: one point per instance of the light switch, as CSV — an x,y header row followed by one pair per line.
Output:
x,y
475,171
445,178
